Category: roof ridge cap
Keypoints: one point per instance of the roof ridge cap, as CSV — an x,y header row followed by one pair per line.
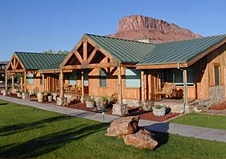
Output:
x,y
108,37
192,39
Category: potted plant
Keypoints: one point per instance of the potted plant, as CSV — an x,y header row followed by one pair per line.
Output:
x,y
89,102
49,96
102,103
24,94
146,105
19,93
40,96
159,110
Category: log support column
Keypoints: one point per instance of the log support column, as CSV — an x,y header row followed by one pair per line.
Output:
x,y
25,82
119,108
61,101
12,81
82,83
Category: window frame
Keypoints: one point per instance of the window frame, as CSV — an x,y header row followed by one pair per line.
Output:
x,y
217,74
103,78
131,82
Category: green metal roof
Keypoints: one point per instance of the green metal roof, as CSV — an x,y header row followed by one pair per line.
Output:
x,y
128,51
123,50
37,61
180,51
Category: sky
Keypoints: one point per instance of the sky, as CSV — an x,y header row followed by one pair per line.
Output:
x,y
40,25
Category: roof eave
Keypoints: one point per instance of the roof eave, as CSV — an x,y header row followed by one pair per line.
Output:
x,y
162,65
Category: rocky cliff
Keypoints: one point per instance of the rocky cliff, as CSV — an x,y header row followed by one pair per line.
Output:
x,y
138,27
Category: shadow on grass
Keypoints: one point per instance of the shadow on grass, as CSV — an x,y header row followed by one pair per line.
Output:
x,y
16,128
160,132
47,143
4,103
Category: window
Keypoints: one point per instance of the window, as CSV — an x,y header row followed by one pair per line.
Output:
x,y
30,78
132,78
176,76
217,75
103,78
72,78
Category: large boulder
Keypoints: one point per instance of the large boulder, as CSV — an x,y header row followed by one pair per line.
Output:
x,y
142,139
123,126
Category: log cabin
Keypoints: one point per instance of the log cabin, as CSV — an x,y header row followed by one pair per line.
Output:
x,y
37,71
135,71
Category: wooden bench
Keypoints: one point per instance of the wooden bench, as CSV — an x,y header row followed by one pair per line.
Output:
x,y
166,91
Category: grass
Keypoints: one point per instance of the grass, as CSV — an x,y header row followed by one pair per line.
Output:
x,y
27,132
202,120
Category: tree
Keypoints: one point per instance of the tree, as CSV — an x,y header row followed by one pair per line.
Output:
x,y
62,52
54,52
49,52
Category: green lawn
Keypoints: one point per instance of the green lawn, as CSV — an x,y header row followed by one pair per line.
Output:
x,y
27,132
202,120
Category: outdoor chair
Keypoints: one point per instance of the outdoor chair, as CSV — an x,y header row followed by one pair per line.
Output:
x,y
166,91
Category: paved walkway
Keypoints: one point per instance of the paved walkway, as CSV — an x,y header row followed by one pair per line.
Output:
x,y
183,130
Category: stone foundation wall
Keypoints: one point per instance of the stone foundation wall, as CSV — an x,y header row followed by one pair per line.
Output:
x,y
132,102
216,94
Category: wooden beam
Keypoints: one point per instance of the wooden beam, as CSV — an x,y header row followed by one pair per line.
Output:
x,y
21,83
71,53
92,55
185,79
61,84
119,86
84,50
99,48
78,56
72,67
82,81
142,86
162,66
15,71
25,81
6,81
43,83
12,81
102,65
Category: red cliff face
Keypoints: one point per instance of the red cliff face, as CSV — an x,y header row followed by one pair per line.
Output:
x,y
139,27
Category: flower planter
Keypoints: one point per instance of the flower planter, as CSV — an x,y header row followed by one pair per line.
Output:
x,y
24,95
4,92
89,104
61,101
159,111
120,109
146,106
19,95
50,98
40,97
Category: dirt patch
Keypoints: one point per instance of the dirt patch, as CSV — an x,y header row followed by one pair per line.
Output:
x,y
221,106
146,115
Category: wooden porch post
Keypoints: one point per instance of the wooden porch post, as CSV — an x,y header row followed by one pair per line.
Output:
x,y
25,81
61,84
13,81
43,83
142,86
119,86
21,83
149,87
82,82
6,81
185,88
